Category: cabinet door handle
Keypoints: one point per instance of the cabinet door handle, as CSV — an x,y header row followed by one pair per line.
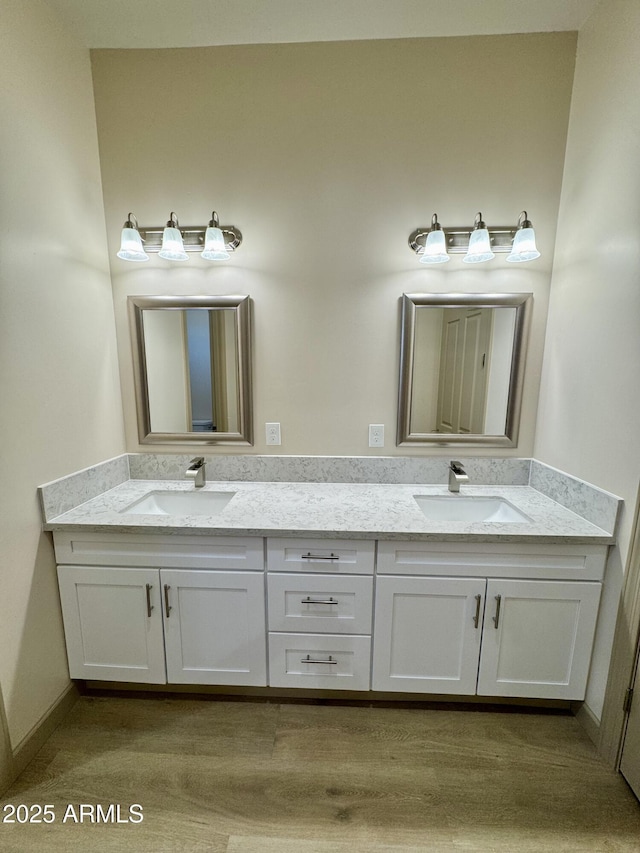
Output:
x,y
149,604
311,556
476,618
309,659
167,606
309,600
496,618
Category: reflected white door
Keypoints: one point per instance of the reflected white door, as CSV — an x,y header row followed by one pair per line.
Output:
x,y
464,367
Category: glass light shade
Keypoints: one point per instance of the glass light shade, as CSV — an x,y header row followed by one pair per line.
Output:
x,y
131,246
479,247
214,247
435,250
524,247
172,246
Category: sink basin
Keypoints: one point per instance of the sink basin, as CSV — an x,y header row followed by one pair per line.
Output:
x,y
180,503
469,508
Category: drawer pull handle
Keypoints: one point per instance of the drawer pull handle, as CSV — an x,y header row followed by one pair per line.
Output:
x,y
311,556
308,600
496,618
309,659
476,618
167,606
149,604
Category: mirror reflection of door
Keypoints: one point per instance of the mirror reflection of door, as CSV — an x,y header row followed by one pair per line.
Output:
x,y
464,368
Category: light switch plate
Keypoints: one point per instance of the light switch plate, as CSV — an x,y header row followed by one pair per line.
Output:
x,y
376,435
273,433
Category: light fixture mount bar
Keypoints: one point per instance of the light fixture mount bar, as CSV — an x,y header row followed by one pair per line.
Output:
x,y
192,237
457,239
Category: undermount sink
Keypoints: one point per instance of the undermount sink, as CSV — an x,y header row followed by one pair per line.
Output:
x,y
469,508
179,503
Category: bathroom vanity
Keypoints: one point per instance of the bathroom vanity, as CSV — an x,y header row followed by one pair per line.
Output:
x,y
331,586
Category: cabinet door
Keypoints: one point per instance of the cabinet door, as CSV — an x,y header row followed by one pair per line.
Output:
x,y
113,623
537,638
214,627
427,634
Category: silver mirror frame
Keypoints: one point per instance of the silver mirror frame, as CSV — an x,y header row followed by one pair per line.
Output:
x,y
522,302
241,306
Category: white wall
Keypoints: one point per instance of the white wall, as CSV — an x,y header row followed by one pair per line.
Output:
x,y
589,409
61,407
327,156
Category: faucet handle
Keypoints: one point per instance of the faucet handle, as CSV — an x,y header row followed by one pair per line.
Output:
x,y
456,467
197,461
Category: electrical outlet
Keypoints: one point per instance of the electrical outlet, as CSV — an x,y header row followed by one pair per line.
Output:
x,y
376,435
273,433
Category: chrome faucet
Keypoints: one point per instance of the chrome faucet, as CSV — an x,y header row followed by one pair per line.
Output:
x,y
457,475
196,472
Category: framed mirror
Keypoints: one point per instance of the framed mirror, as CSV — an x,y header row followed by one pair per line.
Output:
x,y
192,368
462,358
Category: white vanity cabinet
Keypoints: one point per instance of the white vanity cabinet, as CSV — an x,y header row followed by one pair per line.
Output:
x,y
430,617
320,596
444,625
166,622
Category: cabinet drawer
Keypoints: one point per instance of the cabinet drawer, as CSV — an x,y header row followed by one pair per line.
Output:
x,y
505,560
159,551
320,661
320,603
338,556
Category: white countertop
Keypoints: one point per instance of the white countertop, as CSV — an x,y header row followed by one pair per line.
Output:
x,y
332,510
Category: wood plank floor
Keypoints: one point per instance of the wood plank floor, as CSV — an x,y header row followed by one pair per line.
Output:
x,y
261,777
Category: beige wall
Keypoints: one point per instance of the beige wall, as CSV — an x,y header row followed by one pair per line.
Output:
x,y
61,407
589,410
327,156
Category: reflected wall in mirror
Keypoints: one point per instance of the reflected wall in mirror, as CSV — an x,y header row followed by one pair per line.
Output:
x,y
462,361
192,367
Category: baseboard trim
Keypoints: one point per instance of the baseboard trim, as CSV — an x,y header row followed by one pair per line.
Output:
x,y
589,722
34,740
314,696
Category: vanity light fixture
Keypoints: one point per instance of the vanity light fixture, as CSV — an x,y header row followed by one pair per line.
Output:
x,y
524,243
435,248
435,245
172,246
131,242
479,249
173,242
214,247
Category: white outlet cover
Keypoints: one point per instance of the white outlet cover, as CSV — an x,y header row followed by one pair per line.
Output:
x,y
376,435
272,432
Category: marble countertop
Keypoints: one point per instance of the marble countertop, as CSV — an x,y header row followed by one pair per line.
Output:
x,y
332,510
